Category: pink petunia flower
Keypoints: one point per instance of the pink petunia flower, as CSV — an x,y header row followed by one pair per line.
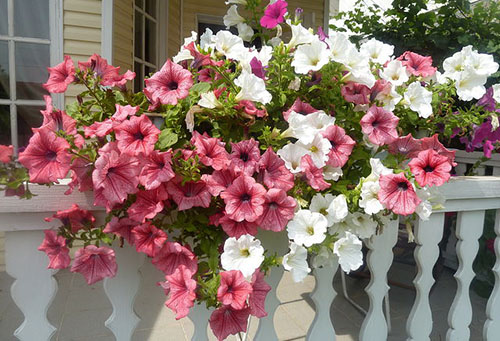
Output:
x,y
342,145
433,143
299,107
278,210
57,120
98,67
115,176
137,135
430,168
250,108
226,321
210,150
99,129
148,238
405,145
169,85
60,76
235,228
122,227
244,199
273,171
95,263
245,155
233,289
123,112
46,157
397,194
199,59
148,204
257,299
356,93
417,65
74,217
314,175
6,153
381,86
157,169
274,14
182,291
380,125
172,255
55,248
191,194
257,68
220,180
81,175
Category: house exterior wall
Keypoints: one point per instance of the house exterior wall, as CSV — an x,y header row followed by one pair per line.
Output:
x,y
123,34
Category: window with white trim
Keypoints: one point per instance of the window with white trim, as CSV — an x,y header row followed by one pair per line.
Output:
x,y
29,43
146,32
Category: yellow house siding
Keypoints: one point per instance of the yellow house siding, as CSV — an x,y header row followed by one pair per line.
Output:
x,y
123,34
174,27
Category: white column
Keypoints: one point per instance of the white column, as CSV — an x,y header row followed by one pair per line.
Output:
x,y
199,315
491,330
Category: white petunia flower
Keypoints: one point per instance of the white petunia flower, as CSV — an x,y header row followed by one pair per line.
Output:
x,y
431,199
377,51
339,46
232,18
209,100
307,228
348,249
369,197
338,208
207,40
264,56
292,155
310,57
184,53
300,35
455,64
244,254
318,149
296,262
496,92
332,173
238,2
320,204
389,99
419,99
229,45
306,127
362,76
482,63
324,258
378,169
395,73
356,63
362,224
295,84
253,88
245,31
470,84
339,228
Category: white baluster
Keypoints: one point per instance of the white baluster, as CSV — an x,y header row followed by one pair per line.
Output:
x,y
323,295
492,325
34,287
427,236
277,242
199,315
379,260
469,229
122,290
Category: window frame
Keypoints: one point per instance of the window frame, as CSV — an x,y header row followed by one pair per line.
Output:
x,y
55,43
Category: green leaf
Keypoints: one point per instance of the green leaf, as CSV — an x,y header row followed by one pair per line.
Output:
x,y
200,88
167,138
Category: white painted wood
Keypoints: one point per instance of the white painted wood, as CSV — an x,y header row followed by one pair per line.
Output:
x,y
491,329
278,242
427,236
323,295
122,290
107,30
469,229
199,315
34,287
379,260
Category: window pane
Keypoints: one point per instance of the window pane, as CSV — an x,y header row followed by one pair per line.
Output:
x,y
139,77
31,70
139,3
138,43
148,71
150,41
27,117
5,125
4,70
31,18
151,7
3,17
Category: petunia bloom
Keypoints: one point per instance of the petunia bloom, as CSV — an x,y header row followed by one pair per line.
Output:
x,y
299,107
417,65
235,228
274,14
148,238
157,169
380,125
121,227
60,76
74,217
405,145
46,157
244,254
356,93
245,155
148,204
244,199
278,210
273,171
397,194
95,263
433,143
6,153
210,150
191,194
137,135
430,168
172,255
257,298
226,321
220,180
182,291
55,248
342,145
169,85
108,75
314,175
233,289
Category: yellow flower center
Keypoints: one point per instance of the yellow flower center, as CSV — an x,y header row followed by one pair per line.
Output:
x,y
313,149
244,252
310,230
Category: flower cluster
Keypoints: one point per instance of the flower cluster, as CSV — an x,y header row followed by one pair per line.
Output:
x,y
314,138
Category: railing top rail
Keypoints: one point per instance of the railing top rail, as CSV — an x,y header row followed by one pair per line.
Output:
x,y
471,187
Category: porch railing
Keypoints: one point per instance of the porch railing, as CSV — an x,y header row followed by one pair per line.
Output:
x,y
34,287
